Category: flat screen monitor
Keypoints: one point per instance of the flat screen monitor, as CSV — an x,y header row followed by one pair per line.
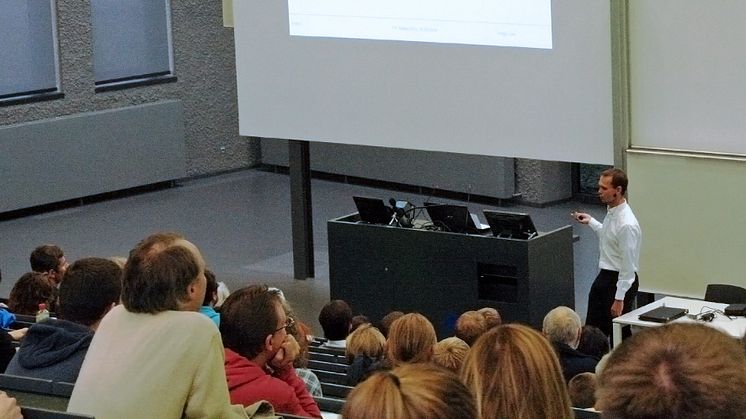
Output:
x,y
372,210
452,218
514,225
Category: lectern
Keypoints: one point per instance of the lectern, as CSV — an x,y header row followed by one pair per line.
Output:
x,y
378,268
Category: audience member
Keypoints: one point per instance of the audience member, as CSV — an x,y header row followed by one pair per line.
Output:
x,y
32,289
562,328
49,259
154,355
675,371
300,332
259,352
211,297
55,348
470,325
410,391
365,348
358,321
387,320
411,340
582,390
492,316
514,373
593,342
336,320
450,353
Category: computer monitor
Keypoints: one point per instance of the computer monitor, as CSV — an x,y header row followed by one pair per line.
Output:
x,y
453,218
513,225
372,210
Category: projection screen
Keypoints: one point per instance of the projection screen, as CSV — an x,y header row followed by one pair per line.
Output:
x,y
510,78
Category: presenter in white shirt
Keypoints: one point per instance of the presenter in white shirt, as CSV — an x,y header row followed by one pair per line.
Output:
x,y
619,236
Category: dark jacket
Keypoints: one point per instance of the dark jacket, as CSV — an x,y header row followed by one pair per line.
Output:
x,y
573,362
53,350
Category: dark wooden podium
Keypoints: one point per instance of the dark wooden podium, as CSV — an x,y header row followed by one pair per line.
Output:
x,y
377,269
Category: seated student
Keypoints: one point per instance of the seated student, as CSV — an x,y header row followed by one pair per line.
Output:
x,y
211,297
387,320
582,390
335,319
259,352
593,342
32,289
450,353
411,340
55,348
155,356
470,325
365,347
676,371
491,316
49,259
514,373
419,391
301,332
358,321
562,328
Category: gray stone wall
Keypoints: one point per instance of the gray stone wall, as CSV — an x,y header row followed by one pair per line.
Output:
x,y
203,64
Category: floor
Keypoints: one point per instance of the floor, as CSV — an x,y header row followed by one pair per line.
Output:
x,y
241,223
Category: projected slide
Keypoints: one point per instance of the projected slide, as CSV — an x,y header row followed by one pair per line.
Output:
x,y
509,23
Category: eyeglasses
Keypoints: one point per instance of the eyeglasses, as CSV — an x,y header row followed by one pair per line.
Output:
x,y
290,322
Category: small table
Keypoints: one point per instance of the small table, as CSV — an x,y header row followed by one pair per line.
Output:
x,y
735,327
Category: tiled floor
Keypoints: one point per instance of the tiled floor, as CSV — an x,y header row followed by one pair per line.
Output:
x,y
241,223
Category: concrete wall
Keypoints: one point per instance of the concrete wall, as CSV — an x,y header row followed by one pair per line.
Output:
x,y
206,86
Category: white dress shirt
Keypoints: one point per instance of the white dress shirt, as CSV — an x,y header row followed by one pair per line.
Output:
x,y
619,240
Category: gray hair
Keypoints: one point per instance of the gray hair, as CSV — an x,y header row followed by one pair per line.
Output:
x,y
562,324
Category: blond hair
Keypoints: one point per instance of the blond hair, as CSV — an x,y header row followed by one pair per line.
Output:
x,y
365,340
514,373
411,339
470,325
450,353
422,391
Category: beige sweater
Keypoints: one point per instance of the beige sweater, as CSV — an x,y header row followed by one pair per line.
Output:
x,y
165,365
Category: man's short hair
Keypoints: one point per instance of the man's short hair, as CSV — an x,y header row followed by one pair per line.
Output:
x,y
247,317
46,258
335,318
211,287
582,390
562,325
91,285
157,274
387,320
470,325
618,178
674,371
450,353
32,289
593,342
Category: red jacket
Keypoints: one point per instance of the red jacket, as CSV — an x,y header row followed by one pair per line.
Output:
x,y
248,383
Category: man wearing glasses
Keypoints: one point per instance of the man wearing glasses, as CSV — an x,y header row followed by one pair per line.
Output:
x,y
259,352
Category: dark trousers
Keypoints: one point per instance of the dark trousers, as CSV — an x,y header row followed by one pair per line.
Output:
x,y
601,298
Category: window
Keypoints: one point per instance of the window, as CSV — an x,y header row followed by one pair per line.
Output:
x,y
131,43
28,51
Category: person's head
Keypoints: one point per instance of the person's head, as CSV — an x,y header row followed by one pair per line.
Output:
x,y
410,391
358,321
387,320
562,325
253,323
593,342
470,325
491,316
300,332
163,272
336,319
514,373
211,289
92,286
674,371
49,259
612,186
582,389
366,340
450,353
411,340
32,289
